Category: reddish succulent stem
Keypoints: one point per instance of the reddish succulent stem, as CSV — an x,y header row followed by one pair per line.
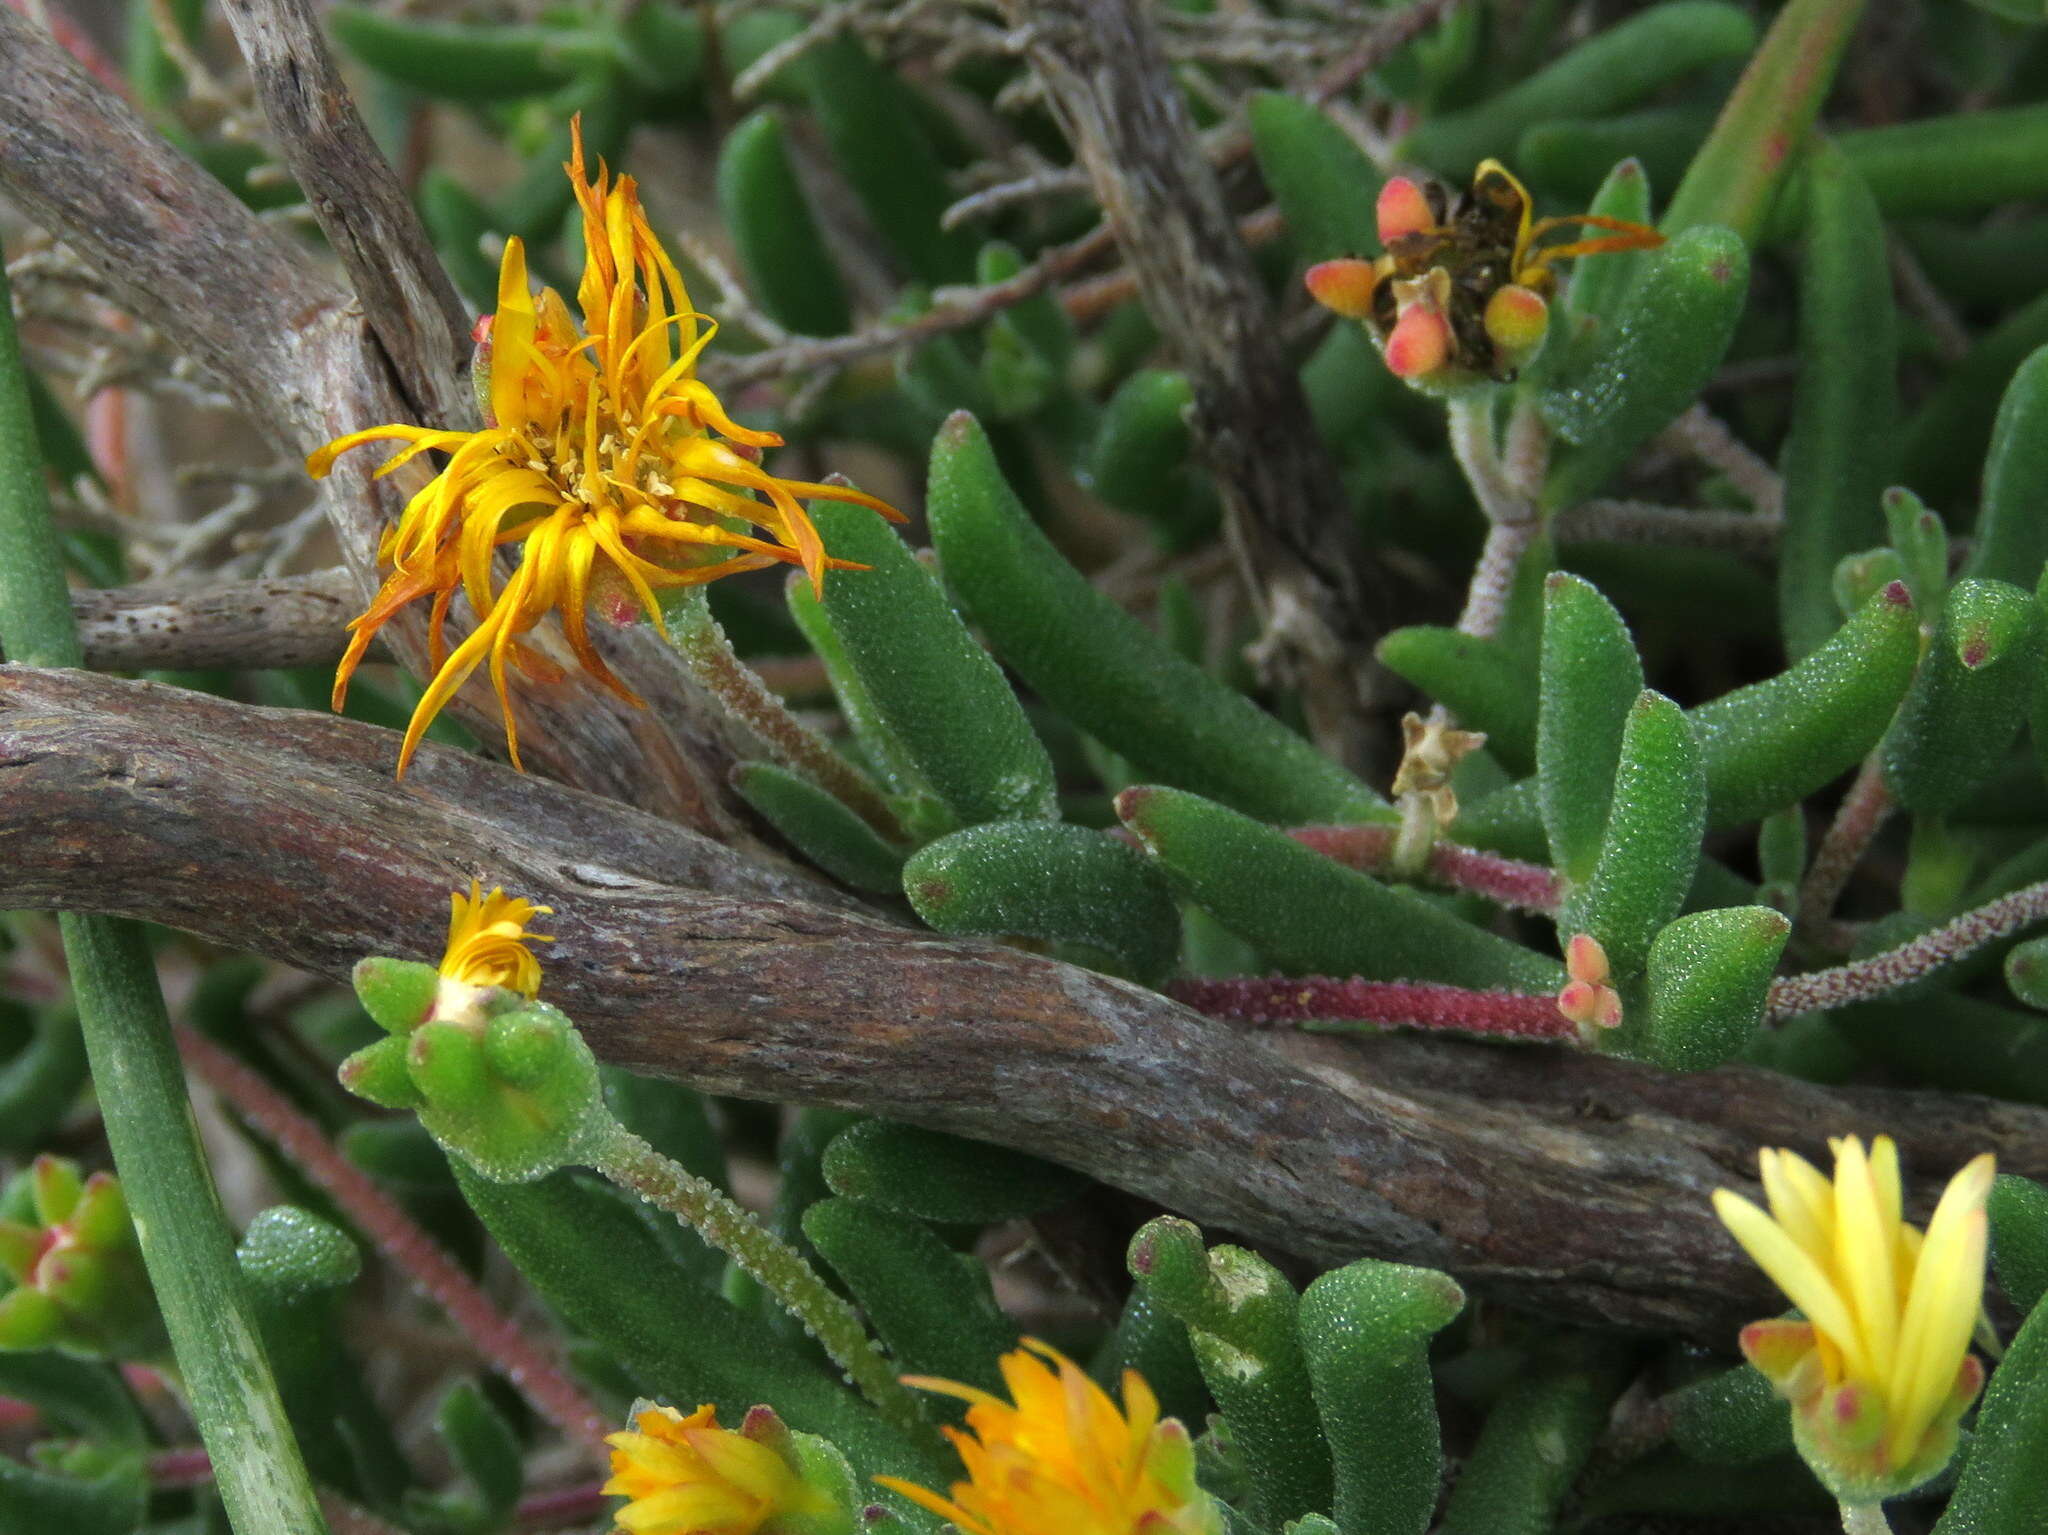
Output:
x,y
1864,809
1864,980
189,1467
403,1243
1524,886
1390,1004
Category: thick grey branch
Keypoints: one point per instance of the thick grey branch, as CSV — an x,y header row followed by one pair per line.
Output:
x,y
282,621
1108,81
362,208
1570,1183
299,358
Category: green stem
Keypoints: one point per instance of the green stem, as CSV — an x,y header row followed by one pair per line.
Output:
x,y
631,1163
700,641
1865,1519
184,1233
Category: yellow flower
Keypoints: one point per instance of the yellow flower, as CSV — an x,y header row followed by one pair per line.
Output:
x,y
688,1476
1060,1459
1879,1371
487,941
603,456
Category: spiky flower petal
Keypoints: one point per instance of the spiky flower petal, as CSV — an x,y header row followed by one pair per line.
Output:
x,y
1060,1458
1879,1371
615,470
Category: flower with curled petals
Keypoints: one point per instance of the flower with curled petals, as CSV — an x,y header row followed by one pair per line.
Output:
x,y
1060,1458
612,468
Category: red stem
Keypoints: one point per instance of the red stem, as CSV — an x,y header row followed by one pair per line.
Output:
x,y
1391,1004
403,1244
1507,881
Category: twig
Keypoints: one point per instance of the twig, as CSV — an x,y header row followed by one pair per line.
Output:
x,y
1863,811
954,309
281,621
1700,434
1644,522
1506,881
403,1244
361,204
1865,980
1319,1000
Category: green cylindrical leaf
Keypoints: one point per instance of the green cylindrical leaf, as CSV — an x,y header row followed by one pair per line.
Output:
x,y
2011,533
1324,185
1839,453
1946,1040
453,61
2001,1490
1948,436
1735,178
1731,1418
1153,1341
1590,679
1487,685
1105,671
396,993
821,827
1142,441
40,1082
931,1307
1535,1443
935,1177
1652,840
871,125
788,266
1611,70
2019,1239
2026,972
1937,167
1709,976
1967,704
932,687
1599,285
1312,916
582,1247
484,1448
1570,156
1669,335
1774,742
1058,883
1240,1314
1365,1330
1921,542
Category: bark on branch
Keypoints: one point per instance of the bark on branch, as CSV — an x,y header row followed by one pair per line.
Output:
x,y
280,621
1569,1183
1108,81
299,357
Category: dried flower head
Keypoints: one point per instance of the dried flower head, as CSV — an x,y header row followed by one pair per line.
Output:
x,y
1879,1371
613,467
687,1476
1061,1459
1462,291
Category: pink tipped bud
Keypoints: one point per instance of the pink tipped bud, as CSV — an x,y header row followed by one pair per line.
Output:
x,y
481,331
1516,318
1345,285
1785,1354
1403,210
1419,344
1590,1006
1585,960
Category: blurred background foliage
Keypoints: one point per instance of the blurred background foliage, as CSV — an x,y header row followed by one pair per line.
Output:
x,y
1797,489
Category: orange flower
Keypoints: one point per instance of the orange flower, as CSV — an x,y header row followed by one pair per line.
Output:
x,y
612,466
1060,1459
